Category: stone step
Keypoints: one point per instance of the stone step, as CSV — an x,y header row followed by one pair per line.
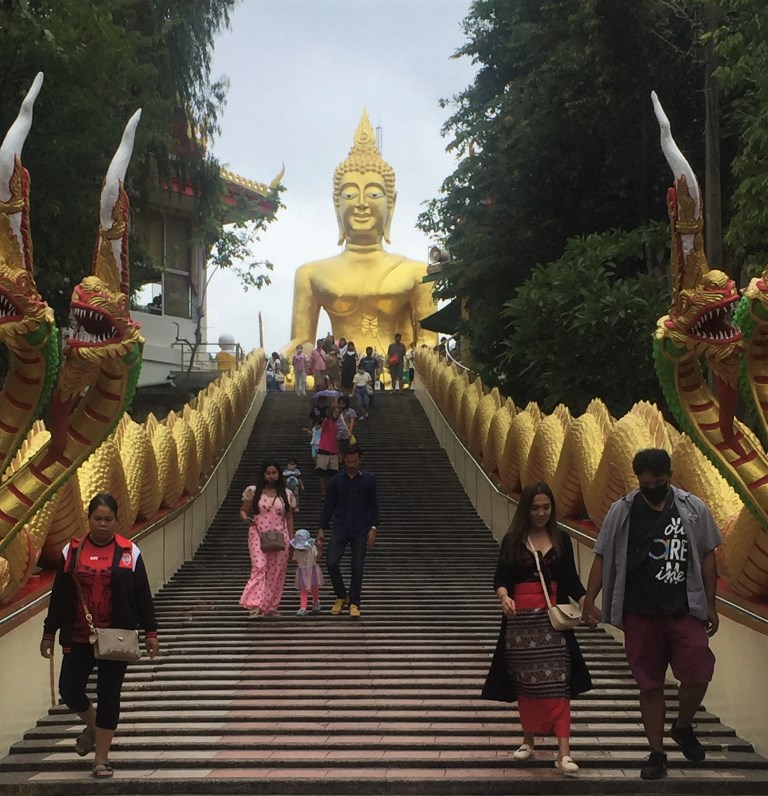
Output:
x,y
714,734
389,704
62,761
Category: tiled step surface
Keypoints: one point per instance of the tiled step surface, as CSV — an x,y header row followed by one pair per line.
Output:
x,y
388,704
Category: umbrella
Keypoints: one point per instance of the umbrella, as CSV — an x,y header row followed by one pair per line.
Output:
x,y
326,394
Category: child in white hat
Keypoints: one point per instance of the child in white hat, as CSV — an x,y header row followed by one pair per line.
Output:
x,y
309,576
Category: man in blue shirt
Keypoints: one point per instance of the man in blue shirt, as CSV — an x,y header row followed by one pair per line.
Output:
x,y
352,505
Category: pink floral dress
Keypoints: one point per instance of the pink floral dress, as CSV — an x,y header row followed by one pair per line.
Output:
x,y
265,586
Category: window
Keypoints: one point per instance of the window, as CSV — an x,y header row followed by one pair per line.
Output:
x,y
177,263
169,243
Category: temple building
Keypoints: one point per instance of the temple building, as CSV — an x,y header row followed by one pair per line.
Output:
x,y
169,307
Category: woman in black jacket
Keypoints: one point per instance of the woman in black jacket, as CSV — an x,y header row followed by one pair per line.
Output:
x,y
536,666
348,367
115,588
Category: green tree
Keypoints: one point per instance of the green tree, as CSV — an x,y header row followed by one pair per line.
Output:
x,y
578,331
556,139
231,246
742,44
101,62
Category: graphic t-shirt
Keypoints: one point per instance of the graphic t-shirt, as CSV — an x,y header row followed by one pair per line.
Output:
x,y
657,561
94,571
292,476
370,364
317,413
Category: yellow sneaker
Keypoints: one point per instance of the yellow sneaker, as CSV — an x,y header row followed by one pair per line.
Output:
x,y
354,611
338,606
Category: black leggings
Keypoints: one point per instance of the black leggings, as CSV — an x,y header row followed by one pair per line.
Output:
x,y
76,668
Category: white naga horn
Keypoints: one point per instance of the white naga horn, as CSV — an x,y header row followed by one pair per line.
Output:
x,y
110,195
16,136
676,159
116,171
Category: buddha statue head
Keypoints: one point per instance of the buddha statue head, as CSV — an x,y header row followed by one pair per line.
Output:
x,y
364,191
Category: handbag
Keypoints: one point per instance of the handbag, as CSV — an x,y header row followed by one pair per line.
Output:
x,y
272,541
562,617
393,360
109,643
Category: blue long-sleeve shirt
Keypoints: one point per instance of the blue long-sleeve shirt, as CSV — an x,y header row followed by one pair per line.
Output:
x,y
352,504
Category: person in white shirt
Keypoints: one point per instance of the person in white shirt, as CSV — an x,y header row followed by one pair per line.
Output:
x,y
363,388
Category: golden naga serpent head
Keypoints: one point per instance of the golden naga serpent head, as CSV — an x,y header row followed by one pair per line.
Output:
x,y
700,320
21,308
100,323
757,298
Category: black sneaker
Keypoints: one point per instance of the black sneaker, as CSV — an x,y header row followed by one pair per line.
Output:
x,y
655,767
686,739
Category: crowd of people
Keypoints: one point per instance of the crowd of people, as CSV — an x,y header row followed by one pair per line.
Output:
x,y
654,561
338,365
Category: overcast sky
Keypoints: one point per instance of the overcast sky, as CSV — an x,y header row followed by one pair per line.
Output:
x,y
300,73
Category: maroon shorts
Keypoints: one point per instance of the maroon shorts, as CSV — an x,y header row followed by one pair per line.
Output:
x,y
655,642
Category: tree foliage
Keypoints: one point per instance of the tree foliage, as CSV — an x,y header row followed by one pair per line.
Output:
x,y
742,44
580,330
101,62
556,139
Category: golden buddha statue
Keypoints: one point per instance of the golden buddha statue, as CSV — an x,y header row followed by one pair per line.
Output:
x,y
369,294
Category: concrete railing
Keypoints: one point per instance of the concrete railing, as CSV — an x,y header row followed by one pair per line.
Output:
x,y
741,644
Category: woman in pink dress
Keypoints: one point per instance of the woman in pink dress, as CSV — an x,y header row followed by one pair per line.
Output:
x,y
267,506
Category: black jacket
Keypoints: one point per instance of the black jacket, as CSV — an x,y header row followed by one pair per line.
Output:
x,y
132,605
498,686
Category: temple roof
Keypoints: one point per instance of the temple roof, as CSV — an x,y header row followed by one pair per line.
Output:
x,y
235,181
253,192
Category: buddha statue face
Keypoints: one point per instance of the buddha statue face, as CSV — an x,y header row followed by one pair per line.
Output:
x,y
363,211
364,191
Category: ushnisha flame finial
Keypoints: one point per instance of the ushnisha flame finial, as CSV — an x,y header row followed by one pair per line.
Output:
x,y
112,259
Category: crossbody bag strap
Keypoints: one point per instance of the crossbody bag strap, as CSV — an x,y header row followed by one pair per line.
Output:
x,y
88,614
538,567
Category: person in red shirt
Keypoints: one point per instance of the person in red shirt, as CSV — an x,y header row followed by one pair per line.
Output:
x,y
116,590
327,463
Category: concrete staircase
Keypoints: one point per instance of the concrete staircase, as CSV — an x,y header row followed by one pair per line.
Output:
x,y
388,704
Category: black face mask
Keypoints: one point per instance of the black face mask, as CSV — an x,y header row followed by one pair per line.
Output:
x,y
655,494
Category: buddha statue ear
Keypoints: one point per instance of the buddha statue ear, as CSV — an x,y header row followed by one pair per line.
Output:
x,y
342,234
390,213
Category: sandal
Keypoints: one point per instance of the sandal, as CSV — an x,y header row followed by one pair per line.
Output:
x,y
85,742
102,770
566,765
524,752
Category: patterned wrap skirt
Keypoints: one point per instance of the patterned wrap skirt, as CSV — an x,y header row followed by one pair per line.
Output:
x,y
538,663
